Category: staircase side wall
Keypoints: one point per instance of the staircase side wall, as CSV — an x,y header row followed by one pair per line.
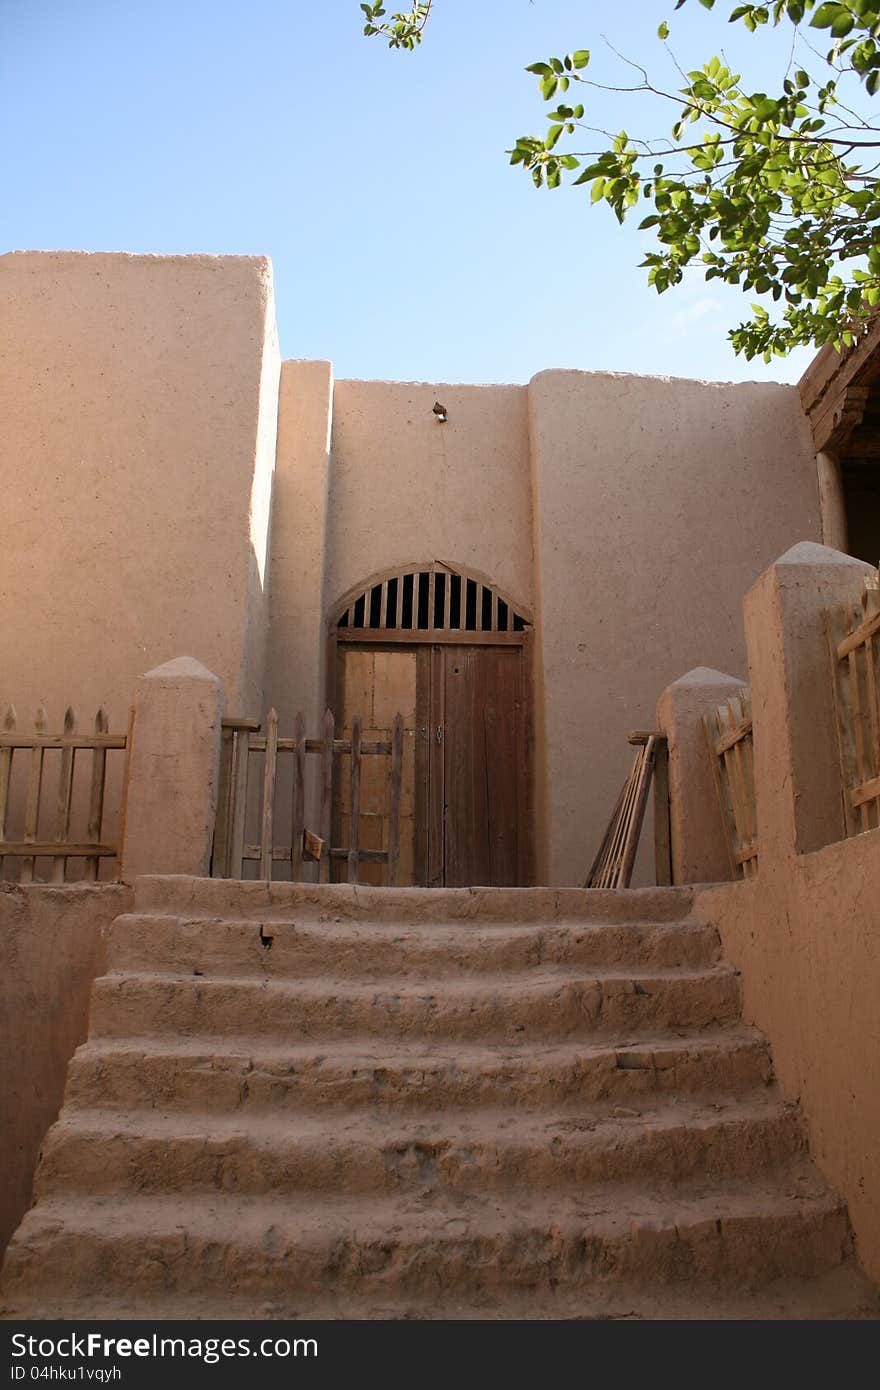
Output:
x,y
805,938
51,949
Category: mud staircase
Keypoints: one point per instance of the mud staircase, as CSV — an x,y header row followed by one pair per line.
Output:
x,y
299,1102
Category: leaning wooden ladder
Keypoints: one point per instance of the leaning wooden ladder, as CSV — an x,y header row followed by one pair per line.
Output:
x,y
616,856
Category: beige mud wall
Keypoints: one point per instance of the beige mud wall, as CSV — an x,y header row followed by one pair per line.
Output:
x,y
394,487
657,502
806,941
138,396
297,633
51,949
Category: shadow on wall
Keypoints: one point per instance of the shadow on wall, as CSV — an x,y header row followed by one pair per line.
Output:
x,y
52,946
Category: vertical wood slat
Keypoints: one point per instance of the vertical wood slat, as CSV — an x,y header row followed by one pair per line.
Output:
x,y
592,878
638,812
836,629
298,814
871,604
607,868
327,794
737,714
858,716
354,808
9,721
239,802
396,776
432,590
710,726
383,606
662,825
32,809
65,790
96,792
268,819
220,860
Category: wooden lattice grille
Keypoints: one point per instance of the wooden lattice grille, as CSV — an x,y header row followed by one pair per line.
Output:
x,y
732,759
435,598
854,636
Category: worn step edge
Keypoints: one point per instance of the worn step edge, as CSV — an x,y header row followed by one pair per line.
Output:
x,y
141,1151
183,895
560,1003
842,1293
400,1246
256,946
253,1072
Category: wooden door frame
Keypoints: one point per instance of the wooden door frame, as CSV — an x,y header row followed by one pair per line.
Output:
x,y
525,733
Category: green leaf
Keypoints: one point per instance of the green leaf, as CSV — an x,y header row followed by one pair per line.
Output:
x,y
663,31
581,58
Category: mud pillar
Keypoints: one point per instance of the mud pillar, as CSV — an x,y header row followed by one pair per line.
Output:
x,y
797,771
173,768
700,852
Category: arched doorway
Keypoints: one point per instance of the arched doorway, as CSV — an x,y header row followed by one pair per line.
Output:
x,y
453,653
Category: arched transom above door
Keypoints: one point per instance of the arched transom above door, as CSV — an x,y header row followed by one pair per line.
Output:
x,y
428,599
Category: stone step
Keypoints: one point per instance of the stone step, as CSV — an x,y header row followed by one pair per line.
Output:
x,y
549,1004
409,1246
841,1293
178,895
486,1151
275,948
252,1074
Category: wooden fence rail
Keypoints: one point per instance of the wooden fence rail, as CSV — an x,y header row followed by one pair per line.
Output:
x,y
854,639
241,739
44,835
732,757
615,859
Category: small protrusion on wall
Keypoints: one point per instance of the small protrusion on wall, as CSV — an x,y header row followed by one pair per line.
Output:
x,y
173,768
700,852
797,768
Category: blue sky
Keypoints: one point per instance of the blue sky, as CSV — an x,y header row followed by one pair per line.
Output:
x,y
404,246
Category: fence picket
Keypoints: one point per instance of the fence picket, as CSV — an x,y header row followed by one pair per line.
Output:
x,y
329,748
852,630
396,775
298,817
9,719
240,783
32,809
96,791
731,753
65,789
327,794
220,865
354,796
269,771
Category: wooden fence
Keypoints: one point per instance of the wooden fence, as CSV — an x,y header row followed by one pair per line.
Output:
x,y
46,831
732,757
241,740
854,639
616,856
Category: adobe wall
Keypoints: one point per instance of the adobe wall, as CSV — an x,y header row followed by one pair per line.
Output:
x,y
806,941
139,401
804,931
367,479
51,949
657,502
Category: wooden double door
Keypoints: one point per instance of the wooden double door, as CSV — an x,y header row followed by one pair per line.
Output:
x,y
466,802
